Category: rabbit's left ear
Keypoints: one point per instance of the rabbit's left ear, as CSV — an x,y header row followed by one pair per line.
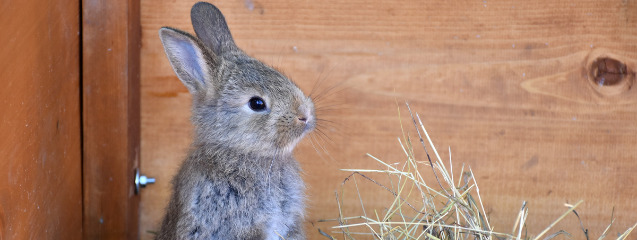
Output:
x,y
211,28
189,58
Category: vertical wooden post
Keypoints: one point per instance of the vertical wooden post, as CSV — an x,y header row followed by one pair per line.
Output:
x,y
111,117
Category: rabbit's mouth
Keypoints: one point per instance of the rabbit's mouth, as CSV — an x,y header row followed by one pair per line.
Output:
x,y
302,128
292,144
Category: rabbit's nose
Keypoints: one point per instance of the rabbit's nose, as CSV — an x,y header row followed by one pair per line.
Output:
x,y
303,116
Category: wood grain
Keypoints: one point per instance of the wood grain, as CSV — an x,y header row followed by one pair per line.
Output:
x,y
40,147
111,110
506,85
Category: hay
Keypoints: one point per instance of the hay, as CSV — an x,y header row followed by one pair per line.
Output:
x,y
448,209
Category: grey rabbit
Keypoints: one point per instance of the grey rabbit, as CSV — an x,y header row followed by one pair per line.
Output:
x,y
239,180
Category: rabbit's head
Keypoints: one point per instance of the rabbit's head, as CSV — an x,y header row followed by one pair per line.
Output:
x,y
238,102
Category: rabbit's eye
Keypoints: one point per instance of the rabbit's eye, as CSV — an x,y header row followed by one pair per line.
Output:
x,y
257,104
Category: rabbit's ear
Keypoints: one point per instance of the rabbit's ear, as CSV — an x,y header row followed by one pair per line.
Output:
x,y
210,26
188,57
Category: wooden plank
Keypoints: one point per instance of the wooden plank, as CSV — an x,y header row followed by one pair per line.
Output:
x,y
40,147
111,42
506,85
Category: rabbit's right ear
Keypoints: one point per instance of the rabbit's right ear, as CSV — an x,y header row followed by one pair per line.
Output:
x,y
211,27
188,57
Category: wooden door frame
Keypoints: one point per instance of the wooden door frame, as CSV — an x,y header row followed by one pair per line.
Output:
x,y
111,42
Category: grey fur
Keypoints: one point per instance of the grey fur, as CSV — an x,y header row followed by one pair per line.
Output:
x,y
240,180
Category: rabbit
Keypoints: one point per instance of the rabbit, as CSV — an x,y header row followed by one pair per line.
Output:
x,y
239,179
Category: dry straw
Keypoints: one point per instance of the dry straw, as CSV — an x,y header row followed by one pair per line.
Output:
x,y
448,209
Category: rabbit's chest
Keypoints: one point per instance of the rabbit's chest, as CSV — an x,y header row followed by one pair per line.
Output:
x,y
277,227
285,206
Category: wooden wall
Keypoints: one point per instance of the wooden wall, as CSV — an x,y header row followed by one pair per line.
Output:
x,y
512,87
40,122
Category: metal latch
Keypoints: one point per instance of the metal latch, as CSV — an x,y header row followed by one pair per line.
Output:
x,y
141,181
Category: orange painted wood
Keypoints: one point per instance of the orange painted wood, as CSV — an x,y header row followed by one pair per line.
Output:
x,y
111,41
40,126
508,86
